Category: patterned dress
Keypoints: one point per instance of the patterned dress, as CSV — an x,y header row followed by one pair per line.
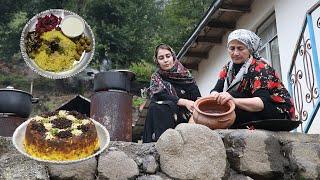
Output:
x,y
166,88
262,81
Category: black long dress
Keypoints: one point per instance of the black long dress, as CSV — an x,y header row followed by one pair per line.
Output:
x,y
164,113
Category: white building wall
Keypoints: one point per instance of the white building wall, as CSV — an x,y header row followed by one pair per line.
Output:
x,y
290,15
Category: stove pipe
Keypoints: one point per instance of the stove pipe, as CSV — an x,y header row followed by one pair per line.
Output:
x,y
111,105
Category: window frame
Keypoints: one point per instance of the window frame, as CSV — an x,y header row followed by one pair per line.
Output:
x,y
260,28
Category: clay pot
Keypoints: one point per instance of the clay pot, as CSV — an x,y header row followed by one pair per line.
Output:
x,y
213,115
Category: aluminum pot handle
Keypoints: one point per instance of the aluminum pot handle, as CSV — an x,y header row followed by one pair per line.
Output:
x,y
34,100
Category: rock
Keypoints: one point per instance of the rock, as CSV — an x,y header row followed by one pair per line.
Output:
x,y
255,153
137,151
192,151
158,176
304,159
82,170
235,176
116,165
163,176
137,133
149,164
134,150
149,177
6,146
17,166
188,152
135,115
288,137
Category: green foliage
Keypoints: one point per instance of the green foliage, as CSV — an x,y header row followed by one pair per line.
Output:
x,y
143,70
17,81
23,83
137,101
181,17
126,32
44,84
123,29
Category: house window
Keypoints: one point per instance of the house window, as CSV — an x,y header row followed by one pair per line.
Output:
x,y
267,31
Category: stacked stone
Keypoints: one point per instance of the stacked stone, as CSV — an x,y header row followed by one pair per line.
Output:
x,y
189,151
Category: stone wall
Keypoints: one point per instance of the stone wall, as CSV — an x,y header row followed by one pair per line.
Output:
x,y
187,152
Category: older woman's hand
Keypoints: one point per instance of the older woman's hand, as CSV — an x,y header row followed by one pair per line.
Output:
x,y
214,93
222,97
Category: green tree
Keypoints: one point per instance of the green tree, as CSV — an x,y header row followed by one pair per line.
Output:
x,y
124,29
15,15
181,17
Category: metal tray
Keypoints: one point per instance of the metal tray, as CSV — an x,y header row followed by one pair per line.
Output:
x,y
19,134
272,124
84,60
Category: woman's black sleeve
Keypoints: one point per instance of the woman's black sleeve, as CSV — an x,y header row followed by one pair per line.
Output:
x,y
219,86
194,92
263,94
163,96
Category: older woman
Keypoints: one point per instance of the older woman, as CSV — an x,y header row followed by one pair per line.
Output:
x,y
251,83
172,92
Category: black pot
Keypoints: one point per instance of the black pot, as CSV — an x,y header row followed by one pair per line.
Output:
x,y
114,79
16,101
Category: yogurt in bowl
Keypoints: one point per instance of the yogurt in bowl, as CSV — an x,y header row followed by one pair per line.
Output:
x,y
72,26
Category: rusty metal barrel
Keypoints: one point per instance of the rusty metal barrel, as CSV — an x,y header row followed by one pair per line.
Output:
x,y
111,105
9,123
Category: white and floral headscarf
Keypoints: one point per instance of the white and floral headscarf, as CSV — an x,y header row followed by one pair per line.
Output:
x,y
249,39
252,42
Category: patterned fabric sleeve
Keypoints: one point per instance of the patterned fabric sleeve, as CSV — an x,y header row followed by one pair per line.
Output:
x,y
220,82
223,72
265,77
261,72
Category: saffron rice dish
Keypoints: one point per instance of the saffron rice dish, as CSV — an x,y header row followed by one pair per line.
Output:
x,y
62,58
61,135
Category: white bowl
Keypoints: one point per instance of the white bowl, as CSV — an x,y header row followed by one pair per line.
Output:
x,y
72,26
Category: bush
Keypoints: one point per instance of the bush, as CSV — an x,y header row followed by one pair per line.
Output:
x,y
17,81
137,101
44,84
143,70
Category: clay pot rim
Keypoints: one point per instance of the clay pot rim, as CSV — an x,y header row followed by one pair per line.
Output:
x,y
200,100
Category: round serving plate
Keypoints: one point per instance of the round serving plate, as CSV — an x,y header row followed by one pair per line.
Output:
x,y
78,67
19,134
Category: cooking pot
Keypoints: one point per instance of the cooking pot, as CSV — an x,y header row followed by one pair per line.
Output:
x,y
208,112
113,79
16,101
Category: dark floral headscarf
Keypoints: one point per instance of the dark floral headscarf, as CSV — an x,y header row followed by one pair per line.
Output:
x,y
249,39
160,79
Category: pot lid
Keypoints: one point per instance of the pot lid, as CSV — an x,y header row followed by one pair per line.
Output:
x,y
131,75
11,88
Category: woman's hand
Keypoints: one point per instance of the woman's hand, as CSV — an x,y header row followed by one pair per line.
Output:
x,y
187,103
222,97
254,104
213,93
